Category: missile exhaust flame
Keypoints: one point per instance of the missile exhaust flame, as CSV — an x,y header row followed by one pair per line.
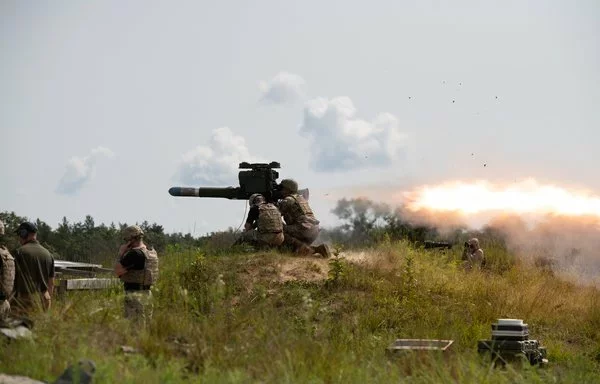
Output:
x,y
523,198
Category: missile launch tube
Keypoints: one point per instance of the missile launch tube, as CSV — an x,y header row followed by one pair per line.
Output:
x,y
224,193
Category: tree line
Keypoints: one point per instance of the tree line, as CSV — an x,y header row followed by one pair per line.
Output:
x,y
363,223
86,241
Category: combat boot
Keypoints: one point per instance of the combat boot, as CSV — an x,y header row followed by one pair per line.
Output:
x,y
324,250
305,250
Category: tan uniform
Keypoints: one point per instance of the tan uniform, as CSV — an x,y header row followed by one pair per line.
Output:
x,y
138,304
473,259
7,280
269,227
300,221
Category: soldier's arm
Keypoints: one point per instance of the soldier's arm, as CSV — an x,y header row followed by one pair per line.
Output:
x,y
465,254
51,286
478,255
252,217
126,262
51,278
120,269
284,206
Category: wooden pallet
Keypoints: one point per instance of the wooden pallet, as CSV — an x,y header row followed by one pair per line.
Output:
x,y
86,284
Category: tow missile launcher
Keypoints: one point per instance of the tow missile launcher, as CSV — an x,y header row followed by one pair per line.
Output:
x,y
510,342
255,178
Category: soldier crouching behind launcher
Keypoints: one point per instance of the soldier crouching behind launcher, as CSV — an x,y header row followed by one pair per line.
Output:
x,y
7,276
264,227
301,227
138,270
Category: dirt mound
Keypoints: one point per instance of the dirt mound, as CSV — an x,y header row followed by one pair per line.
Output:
x,y
289,268
282,268
302,268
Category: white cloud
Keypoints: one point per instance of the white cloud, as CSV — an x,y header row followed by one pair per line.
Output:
x,y
80,170
283,88
339,141
215,164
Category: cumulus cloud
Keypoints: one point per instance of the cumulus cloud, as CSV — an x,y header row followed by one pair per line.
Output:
x,y
282,89
340,141
217,162
80,170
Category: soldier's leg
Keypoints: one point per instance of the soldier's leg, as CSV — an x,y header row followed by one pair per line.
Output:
x,y
267,241
133,307
323,250
46,300
248,237
310,233
148,304
296,245
306,234
4,309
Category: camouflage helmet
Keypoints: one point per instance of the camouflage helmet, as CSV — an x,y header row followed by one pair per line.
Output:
x,y
474,242
256,199
1,228
132,232
290,185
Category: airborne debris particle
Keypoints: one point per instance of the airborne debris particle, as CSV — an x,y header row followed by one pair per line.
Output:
x,y
453,101
485,165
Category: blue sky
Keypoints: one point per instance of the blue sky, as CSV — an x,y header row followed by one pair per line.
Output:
x,y
106,104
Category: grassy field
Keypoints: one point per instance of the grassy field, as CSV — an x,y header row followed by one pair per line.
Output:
x,y
267,317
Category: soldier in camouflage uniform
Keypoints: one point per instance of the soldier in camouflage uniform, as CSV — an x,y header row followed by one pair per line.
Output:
x,y
137,268
7,276
473,255
301,227
264,227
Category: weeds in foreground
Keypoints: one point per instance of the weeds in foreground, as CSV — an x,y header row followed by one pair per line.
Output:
x,y
336,267
229,319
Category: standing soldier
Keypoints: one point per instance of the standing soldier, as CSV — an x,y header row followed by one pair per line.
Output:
x,y
7,276
473,254
264,227
34,271
138,270
301,227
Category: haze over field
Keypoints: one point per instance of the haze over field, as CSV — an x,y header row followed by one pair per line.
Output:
x,y
104,107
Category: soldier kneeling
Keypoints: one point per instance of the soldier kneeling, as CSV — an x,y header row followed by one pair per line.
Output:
x,y
264,227
301,227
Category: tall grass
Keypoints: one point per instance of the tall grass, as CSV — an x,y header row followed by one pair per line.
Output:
x,y
230,318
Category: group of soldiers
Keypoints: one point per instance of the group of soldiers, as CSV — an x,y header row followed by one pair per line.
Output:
x,y
290,223
27,273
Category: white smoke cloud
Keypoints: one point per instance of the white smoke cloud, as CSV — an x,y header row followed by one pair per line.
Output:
x,y
80,170
217,162
339,141
282,89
